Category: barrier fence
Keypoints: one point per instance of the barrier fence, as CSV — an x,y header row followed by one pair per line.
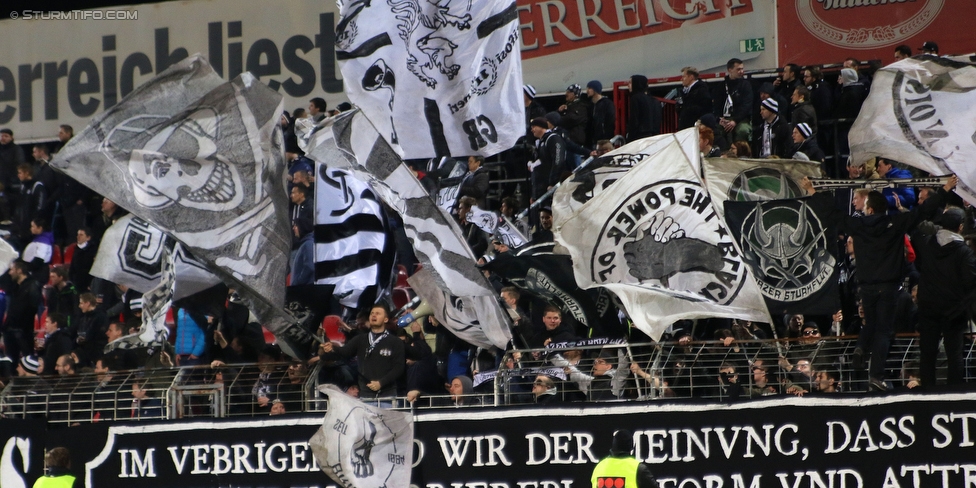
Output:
x,y
710,371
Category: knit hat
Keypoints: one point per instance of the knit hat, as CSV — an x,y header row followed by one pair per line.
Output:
x,y
596,86
529,90
771,105
575,88
135,304
848,76
623,442
7,131
767,88
30,364
344,107
804,129
540,122
555,118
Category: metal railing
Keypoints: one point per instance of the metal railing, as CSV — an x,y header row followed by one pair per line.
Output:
x,y
616,373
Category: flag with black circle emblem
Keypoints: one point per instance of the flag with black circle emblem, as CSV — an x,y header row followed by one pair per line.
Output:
x,y
435,78
790,246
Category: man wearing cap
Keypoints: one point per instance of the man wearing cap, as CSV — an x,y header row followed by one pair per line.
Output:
x,y
805,144
947,268
620,469
693,100
532,108
574,114
930,48
774,139
603,117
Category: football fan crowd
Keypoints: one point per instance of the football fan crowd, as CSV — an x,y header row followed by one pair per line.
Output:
x,y
907,267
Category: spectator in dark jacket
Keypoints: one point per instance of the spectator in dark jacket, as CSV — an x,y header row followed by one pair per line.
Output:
x,y
734,104
83,259
475,183
30,205
803,111
553,330
57,342
694,99
575,114
820,95
22,307
852,95
644,119
805,144
380,354
11,156
551,149
603,120
946,288
773,138
88,329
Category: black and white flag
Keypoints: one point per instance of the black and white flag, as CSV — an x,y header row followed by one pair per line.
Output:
x,y
450,185
790,247
354,249
351,142
922,112
131,254
477,320
655,240
362,446
496,226
436,78
202,160
550,277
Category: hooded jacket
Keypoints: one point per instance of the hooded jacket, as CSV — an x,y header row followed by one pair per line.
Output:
x,y
947,267
644,119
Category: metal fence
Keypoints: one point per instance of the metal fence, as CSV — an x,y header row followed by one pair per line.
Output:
x,y
709,371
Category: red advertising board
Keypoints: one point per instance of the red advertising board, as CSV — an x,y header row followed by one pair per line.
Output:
x,y
828,31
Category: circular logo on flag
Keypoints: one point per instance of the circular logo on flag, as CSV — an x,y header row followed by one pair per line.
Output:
x,y
839,23
786,245
760,183
666,235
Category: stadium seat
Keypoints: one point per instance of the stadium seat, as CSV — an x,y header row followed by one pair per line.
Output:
x,y
401,297
56,254
401,281
69,252
330,325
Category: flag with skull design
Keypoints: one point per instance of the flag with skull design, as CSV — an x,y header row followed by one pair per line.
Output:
x,y
791,247
363,446
436,78
655,240
202,160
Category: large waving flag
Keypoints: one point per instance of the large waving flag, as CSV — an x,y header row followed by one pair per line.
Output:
x,y
655,240
351,142
354,249
362,446
753,180
202,160
922,112
435,78
131,254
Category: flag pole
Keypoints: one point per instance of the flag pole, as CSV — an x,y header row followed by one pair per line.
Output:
x,y
552,190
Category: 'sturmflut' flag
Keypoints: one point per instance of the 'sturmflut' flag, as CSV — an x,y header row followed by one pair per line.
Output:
x,y
436,78
131,254
790,247
654,239
202,160
922,112
351,142
354,249
362,446
752,180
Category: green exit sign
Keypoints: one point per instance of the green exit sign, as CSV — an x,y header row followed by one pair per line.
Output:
x,y
752,45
